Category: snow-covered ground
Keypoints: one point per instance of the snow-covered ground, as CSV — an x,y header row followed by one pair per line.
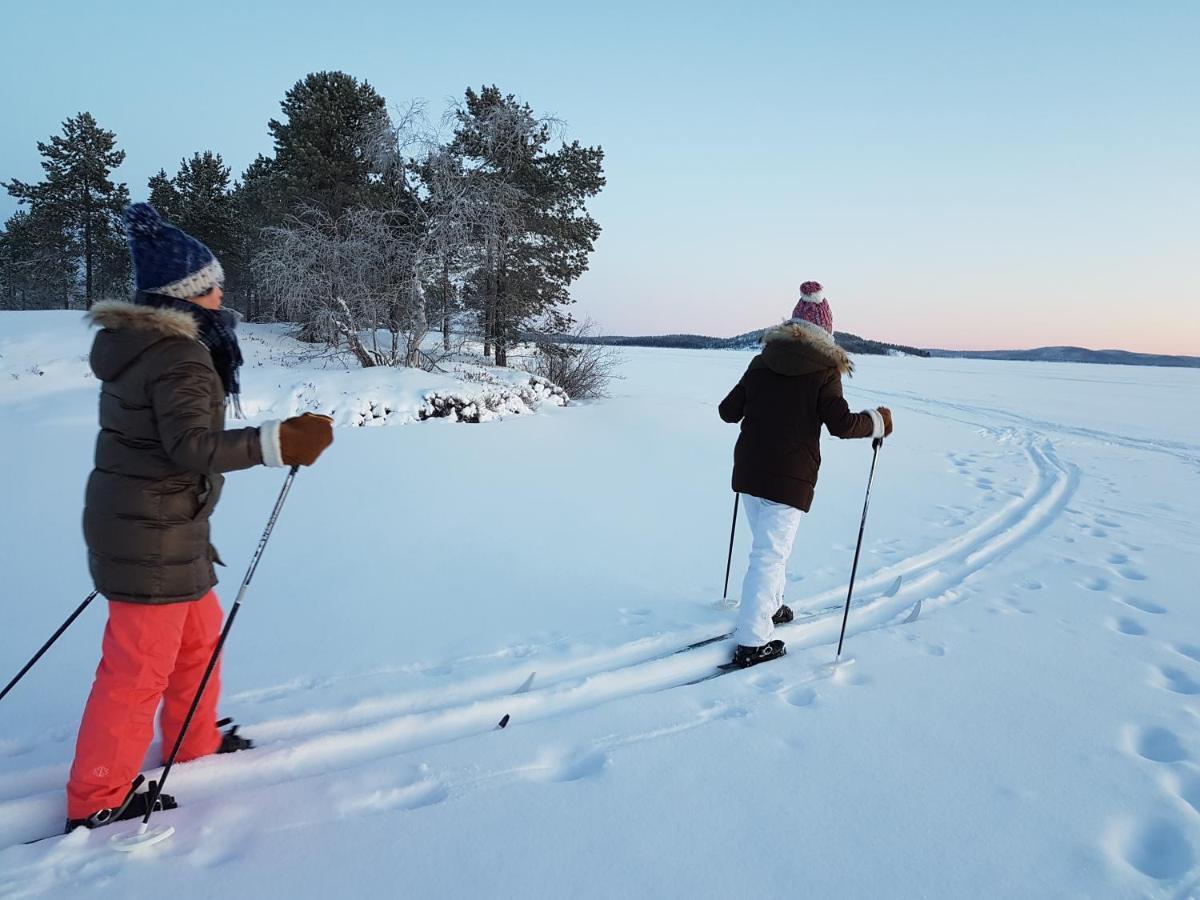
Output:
x,y
1022,719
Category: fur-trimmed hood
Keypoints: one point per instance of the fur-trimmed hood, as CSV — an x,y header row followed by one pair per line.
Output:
x,y
796,347
129,330
117,314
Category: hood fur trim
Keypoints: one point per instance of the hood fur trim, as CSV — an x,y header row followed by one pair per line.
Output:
x,y
116,315
813,338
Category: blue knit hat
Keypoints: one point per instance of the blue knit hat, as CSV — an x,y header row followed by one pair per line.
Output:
x,y
166,260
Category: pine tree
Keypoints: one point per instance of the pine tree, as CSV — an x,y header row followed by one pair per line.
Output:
x,y
38,265
258,203
163,195
79,193
324,151
535,232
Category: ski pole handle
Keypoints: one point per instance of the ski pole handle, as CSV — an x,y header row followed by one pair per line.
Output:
x,y
877,443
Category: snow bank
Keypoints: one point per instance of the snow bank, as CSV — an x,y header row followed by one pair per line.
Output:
x,y
45,353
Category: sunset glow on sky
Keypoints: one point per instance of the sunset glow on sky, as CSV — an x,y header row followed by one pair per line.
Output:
x,y
957,175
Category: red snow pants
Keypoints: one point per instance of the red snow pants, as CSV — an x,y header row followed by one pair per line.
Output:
x,y
151,653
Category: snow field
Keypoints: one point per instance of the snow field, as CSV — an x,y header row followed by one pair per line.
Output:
x,y
1020,719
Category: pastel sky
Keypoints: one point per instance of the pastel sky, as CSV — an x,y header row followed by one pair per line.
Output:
x,y
963,175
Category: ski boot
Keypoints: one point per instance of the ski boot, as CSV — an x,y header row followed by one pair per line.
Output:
x,y
135,806
744,657
231,741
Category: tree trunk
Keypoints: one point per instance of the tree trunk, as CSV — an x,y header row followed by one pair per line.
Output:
x,y
356,347
489,302
501,314
87,247
446,303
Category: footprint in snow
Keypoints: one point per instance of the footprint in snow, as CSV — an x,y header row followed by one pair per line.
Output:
x,y
1117,559
1095,583
1156,847
1031,584
1185,786
925,647
1130,573
1126,625
801,697
1191,651
412,787
407,796
1176,680
573,766
14,747
767,683
1145,606
721,709
1015,605
634,616
225,842
1157,744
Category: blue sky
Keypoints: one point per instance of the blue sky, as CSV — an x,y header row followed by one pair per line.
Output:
x,y
956,174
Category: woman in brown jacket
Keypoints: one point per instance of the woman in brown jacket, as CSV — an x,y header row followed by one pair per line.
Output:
x,y
791,389
167,364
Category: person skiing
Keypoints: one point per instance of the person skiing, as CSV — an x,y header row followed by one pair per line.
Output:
x,y
791,389
168,363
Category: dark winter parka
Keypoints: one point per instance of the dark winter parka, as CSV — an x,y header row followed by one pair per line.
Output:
x,y
159,457
791,389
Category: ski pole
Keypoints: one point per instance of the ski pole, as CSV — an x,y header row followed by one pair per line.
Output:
x,y
216,654
729,560
46,646
875,445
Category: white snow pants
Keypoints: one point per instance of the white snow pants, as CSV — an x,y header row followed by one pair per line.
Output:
x,y
774,528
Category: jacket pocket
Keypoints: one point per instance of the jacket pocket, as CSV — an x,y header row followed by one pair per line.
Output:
x,y
210,492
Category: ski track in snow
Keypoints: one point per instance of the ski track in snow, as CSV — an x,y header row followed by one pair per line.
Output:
x,y
327,741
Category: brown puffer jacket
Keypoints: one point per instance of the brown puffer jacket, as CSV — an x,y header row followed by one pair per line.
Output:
x,y
159,457
791,389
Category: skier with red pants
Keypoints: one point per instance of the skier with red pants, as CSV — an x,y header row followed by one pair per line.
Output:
x,y
168,363
791,389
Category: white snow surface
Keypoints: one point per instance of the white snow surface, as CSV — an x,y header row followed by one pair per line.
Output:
x,y
1022,719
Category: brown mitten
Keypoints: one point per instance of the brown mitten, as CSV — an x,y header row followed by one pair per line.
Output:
x,y
303,438
887,420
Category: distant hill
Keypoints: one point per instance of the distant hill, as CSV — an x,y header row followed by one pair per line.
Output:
x,y
855,344
852,343
1076,354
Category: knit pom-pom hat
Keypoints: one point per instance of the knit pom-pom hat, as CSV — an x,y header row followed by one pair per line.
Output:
x,y
813,307
166,260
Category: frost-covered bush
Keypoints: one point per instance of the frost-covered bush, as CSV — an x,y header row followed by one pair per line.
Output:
x,y
582,370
